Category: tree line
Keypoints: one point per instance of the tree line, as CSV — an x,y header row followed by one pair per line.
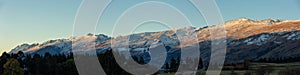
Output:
x,y
61,64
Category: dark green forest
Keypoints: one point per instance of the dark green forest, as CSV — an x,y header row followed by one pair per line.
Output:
x,y
47,64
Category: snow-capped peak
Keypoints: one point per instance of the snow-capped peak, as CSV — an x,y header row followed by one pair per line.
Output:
x,y
235,29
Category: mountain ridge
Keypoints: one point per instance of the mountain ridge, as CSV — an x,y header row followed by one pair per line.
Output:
x,y
241,34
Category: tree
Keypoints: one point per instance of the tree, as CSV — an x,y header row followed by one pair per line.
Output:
x,y
69,67
35,64
20,55
167,67
12,67
173,65
200,65
3,60
142,61
247,63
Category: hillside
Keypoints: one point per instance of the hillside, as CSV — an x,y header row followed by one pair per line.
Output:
x,y
246,39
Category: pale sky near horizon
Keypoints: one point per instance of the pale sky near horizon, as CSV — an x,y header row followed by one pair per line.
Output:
x,y
36,21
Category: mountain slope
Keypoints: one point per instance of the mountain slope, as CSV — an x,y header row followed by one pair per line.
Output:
x,y
246,39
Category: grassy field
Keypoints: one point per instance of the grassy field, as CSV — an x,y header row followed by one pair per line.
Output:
x,y
261,69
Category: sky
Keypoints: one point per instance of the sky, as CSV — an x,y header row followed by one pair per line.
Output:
x,y
36,21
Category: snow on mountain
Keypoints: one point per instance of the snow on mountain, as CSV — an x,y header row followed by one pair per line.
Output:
x,y
22,47
60,46
246,38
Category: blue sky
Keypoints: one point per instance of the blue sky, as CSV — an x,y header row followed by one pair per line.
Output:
x,y
35,21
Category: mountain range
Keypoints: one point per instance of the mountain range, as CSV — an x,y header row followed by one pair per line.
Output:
x,y
246,39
